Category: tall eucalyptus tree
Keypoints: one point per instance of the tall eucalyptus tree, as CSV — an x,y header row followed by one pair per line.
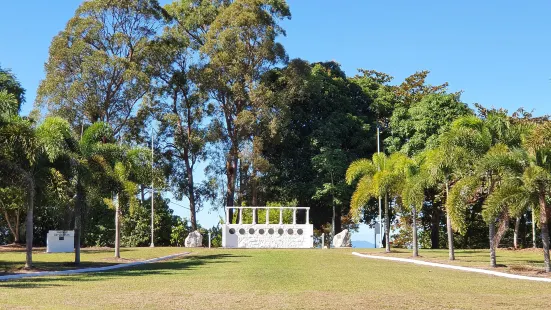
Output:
x,y
97,68
240,45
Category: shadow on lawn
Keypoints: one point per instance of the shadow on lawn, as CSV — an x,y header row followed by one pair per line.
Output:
x,y
10,267
187,263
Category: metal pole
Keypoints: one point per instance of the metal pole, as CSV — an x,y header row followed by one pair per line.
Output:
x,y
152,193
375,237
380,210
209,239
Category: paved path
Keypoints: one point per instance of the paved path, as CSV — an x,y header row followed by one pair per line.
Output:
x,y
86,270
468,269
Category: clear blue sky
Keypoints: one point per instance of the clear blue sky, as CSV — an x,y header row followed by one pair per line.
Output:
x,y
497,52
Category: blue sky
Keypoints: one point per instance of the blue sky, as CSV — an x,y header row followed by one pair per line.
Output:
x,y
497,52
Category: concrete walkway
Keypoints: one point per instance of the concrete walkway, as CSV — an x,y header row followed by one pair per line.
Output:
x,y
461,268
87,270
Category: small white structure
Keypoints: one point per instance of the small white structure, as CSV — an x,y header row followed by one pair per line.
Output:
x,y
194,240
266,235
342,239
59,241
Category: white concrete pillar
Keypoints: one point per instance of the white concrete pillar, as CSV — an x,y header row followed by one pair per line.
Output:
x,y
307,216
240,215
280,216
294,216
254,215
267,216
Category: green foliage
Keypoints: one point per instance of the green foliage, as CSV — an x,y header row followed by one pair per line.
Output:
x,y
417,126
180,230
97,68
388,180
317,106
12,94
136,225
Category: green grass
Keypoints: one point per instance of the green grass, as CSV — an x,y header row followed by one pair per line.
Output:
x,y
14,261
273,279
526,261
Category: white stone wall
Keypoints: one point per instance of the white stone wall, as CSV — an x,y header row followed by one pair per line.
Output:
x,y
268,236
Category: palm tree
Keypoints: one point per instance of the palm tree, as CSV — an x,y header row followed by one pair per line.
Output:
x,y
491,176
382,176
453,159
18,150
491,181
413,195
538,179
59,143
101,157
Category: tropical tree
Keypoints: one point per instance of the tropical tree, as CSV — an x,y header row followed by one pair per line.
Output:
x,y
303,142
18,151
502,161
382,176
454,158
537,175
413,196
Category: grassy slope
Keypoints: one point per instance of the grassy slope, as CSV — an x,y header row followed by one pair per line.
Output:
x,y
275,279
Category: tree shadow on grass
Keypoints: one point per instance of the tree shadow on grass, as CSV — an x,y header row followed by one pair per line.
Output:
x,y
12,267
174,266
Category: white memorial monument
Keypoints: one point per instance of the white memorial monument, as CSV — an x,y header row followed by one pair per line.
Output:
x,y
59,241
261,234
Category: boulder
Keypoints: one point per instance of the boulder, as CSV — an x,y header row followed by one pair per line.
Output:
x,y
194,240
342,239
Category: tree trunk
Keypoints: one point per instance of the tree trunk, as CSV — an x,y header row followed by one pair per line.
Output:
x,y
387,225
533,229
191,191
118,228
435,227
13,231
502,229
338,219
492,231
142,193
414,226
29,224
231,175
449,227
515,235
544,228
17,237
78,217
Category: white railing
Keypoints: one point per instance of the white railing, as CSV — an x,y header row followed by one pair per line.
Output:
x,y
240,209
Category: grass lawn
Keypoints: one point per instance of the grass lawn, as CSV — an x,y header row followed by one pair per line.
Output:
x,y
13,261
270,279
526,262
